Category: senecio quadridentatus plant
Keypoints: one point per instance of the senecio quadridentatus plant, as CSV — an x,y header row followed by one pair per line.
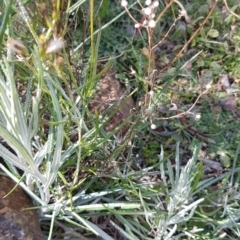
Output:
x,y
149,12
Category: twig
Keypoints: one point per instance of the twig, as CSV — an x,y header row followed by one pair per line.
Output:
x,y
188,111
192,37
167,33
227,7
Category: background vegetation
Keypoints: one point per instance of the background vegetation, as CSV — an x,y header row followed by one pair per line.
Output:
x,y
175,173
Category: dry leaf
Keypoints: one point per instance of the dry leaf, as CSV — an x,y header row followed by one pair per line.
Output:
x,y
145,51
212,165
110,98
228,103
225,82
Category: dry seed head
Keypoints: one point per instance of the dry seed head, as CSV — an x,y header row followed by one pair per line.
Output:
x,y
16,45
55,45
43,11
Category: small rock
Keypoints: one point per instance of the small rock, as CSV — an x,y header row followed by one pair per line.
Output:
x,y
15,222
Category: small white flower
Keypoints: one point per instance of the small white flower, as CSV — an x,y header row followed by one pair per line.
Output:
x,y
148,2
151,93
124,3
152,15
208,86
137,25
153,126
147,11
145,22
197,116
152,23
155,3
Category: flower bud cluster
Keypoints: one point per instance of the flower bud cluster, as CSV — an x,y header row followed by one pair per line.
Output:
x,y
148,12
